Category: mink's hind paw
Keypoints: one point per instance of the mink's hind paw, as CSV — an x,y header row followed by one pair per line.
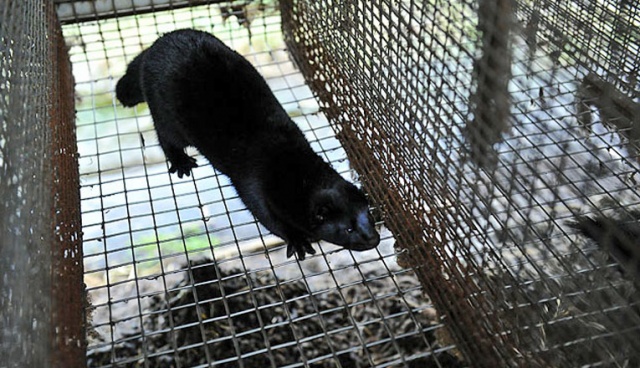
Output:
x,y
182,164
301,248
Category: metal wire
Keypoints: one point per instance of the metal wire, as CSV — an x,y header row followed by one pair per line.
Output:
x,y
177,271
491,135
41,295
483,147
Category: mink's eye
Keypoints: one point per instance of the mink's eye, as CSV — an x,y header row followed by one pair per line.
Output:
x,y
349,230
321,214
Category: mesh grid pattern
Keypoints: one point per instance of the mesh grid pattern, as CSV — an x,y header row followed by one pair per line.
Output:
x,y
178,272
41,295
484,131
485,128
22,144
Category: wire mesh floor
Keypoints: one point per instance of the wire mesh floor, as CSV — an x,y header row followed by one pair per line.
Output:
x,y
179,273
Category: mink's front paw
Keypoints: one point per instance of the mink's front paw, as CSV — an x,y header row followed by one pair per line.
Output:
x,y
301,247
182,164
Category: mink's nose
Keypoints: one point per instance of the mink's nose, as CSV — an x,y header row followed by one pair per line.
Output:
x,y
369,237
366,242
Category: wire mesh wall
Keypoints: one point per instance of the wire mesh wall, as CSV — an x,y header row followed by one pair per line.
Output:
x,y
500,137
41,294
178,272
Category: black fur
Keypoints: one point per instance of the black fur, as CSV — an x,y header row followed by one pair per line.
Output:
x,y
619,237
203,94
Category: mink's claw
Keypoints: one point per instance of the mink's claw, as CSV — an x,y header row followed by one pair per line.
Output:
x,y
182,166
299,248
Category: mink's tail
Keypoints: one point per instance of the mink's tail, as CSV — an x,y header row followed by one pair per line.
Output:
x,y
129,88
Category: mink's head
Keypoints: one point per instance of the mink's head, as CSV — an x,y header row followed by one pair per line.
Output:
x,y
340,215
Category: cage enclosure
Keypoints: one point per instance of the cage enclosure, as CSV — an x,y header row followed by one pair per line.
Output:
x,y
497,141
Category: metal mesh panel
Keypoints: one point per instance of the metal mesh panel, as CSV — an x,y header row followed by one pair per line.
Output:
x,y
178,272
41,296
487,131
498,140
71,11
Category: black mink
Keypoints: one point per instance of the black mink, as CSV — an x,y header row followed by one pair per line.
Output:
x,y
203,94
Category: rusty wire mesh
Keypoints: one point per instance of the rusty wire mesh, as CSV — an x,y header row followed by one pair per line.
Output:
x,y
41,293
178,273
484,131
487,130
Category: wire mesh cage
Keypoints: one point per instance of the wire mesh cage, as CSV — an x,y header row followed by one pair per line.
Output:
x,y
502,136
178,272
497,141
